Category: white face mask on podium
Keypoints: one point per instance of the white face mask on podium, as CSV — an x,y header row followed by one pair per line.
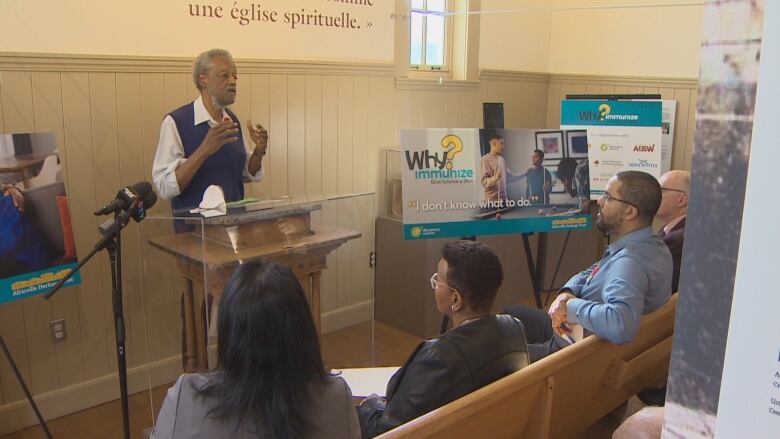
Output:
x,y
213,203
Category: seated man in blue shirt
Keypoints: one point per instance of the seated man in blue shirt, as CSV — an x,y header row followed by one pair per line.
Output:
x,y
632,278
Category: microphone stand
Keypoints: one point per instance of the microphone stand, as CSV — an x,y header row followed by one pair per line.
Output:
x,y
112,242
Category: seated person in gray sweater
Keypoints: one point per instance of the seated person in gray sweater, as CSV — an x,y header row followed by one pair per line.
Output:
x,y
270,381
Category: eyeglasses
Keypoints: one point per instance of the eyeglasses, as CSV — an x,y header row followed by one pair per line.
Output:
x,y
607,196
435,282
673,190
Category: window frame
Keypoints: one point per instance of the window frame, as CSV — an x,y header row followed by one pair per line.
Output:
x,y
423,67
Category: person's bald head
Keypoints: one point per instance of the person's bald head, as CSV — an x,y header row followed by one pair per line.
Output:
x,y
675,186
676,179
646,423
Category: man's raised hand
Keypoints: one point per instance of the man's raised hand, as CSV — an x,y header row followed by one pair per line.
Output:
x,y
259,135
219,135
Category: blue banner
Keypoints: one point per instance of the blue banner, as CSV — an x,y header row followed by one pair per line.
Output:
x,y
611,113
38,282
497,227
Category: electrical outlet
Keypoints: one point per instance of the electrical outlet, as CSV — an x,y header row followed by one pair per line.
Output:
x,y
58,333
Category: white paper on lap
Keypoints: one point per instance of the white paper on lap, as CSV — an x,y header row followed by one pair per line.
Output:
x,y
364,381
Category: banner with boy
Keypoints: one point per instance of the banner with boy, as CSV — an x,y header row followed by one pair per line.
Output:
x,y
468,182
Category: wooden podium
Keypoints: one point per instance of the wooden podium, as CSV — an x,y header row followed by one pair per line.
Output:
x,y
206,260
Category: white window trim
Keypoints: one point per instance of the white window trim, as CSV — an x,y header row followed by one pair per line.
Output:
x,y
446,68
462,66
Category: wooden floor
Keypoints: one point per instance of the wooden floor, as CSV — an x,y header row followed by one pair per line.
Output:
x,y
354,346
350,347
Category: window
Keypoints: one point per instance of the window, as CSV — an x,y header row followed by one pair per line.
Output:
x,y
428,37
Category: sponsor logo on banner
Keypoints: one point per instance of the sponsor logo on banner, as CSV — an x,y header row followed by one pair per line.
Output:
x,y
595,162
644,148
47,279
604,147
607,147
421,231
569,222
29,284
428,165
643,164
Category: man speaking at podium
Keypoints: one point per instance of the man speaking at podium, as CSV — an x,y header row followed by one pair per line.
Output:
x,y
201,143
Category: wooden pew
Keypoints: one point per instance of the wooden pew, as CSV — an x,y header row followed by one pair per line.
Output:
x,y
560,395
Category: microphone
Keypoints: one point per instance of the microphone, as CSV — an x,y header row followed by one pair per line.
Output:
x,y
141,191
135,210
146,201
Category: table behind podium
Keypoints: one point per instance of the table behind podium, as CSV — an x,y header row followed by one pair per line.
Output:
x,y
206,258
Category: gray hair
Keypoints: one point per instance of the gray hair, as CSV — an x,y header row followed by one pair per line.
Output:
x,y
204,61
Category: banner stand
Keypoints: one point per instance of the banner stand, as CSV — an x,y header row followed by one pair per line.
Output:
x,y
26,391
536,270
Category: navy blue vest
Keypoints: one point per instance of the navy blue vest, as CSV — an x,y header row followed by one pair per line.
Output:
x,y
224,168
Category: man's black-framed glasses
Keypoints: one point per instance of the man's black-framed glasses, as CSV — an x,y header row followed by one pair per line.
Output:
x,y
607,196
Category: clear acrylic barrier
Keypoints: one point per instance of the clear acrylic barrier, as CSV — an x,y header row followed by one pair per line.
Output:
x,y
327,241
390,170
334,266
165,309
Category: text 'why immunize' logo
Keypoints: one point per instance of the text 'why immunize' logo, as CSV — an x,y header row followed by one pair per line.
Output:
x,y
432,165
604,114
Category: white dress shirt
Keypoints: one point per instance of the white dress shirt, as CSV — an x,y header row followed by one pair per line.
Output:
x,y
673,223
170,152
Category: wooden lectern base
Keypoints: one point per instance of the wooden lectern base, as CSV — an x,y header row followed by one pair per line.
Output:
x,y
206,265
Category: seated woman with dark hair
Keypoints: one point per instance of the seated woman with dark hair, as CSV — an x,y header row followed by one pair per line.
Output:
x,y
481,347
270,381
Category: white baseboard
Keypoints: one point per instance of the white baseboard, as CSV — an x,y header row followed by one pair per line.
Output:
x,y
347,316
18,415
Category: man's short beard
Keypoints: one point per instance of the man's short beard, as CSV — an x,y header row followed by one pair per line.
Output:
x,y
602,225
219,102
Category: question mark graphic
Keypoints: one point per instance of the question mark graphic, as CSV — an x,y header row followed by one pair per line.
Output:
x,y
457,147
604,110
